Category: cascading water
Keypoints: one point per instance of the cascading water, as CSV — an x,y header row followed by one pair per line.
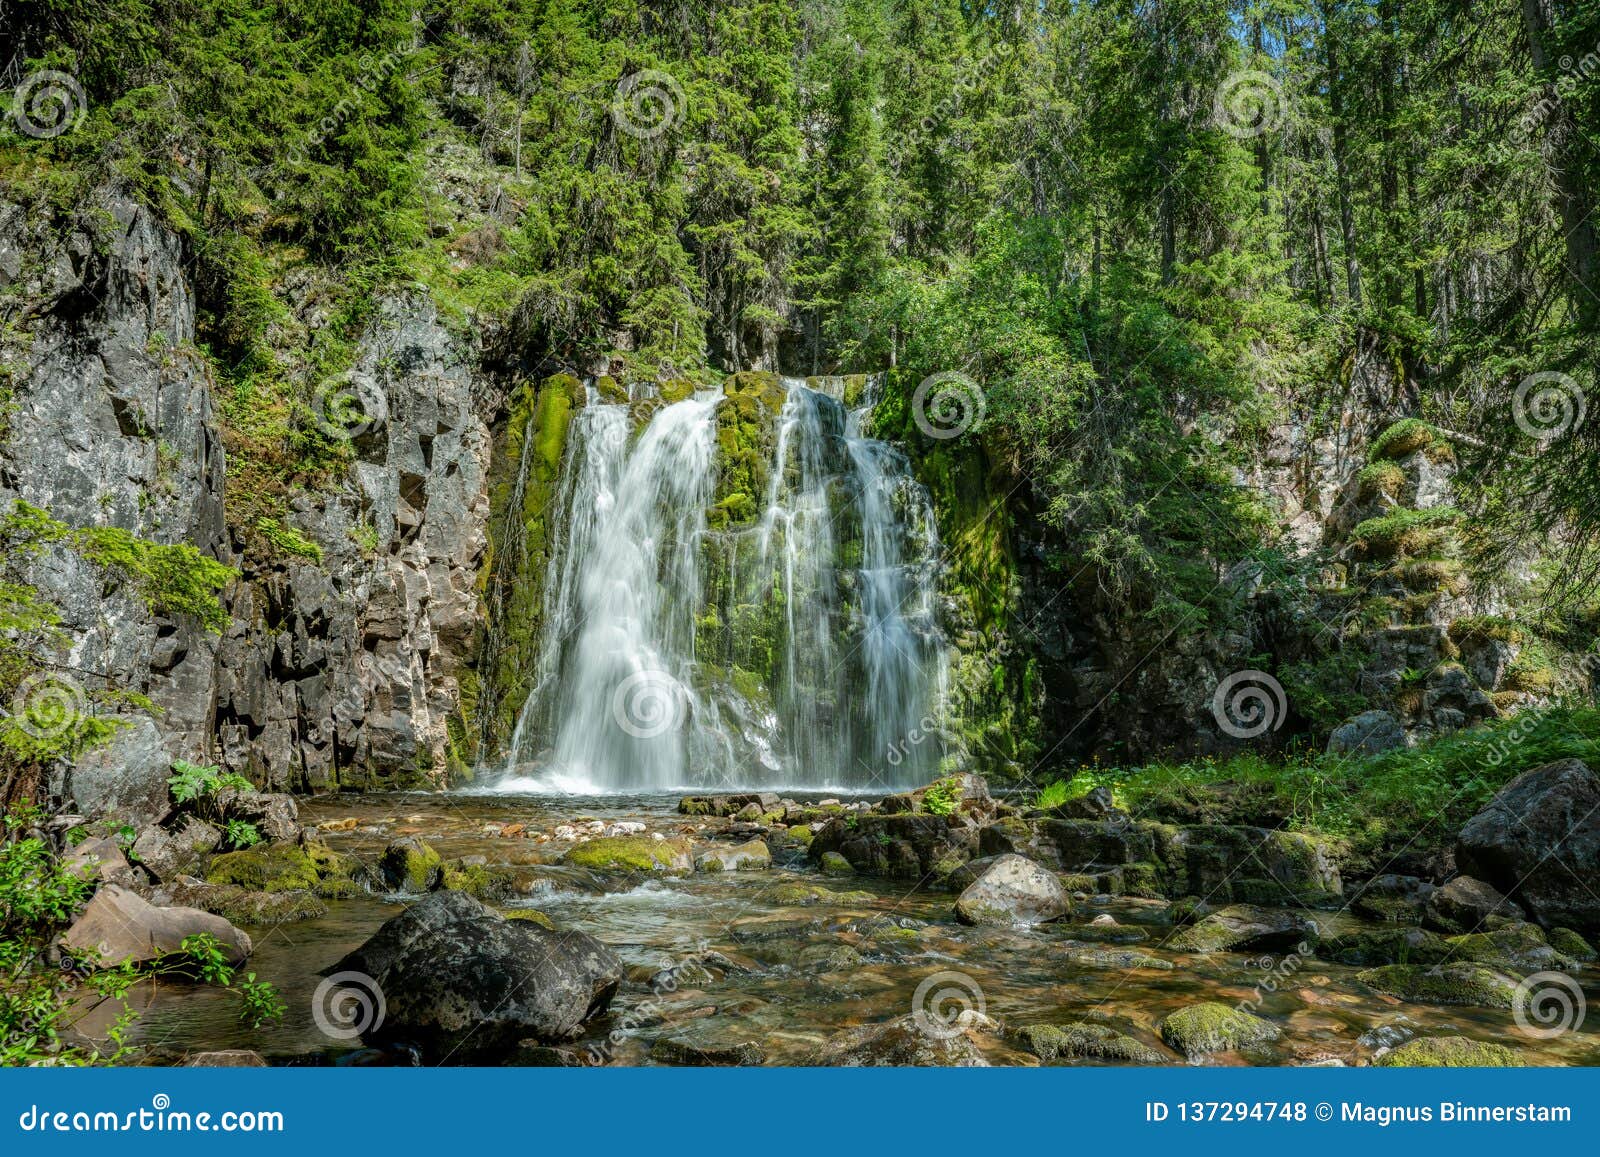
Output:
x,y
795,647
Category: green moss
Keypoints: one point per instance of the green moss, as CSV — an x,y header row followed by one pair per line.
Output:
x,y
833,864
1403,531
532,915
1049,1042
676,390
1569,943
1445,984
523,487
802,834
1449,1052
610,390
1475,630
409,865
632,854
1212,1027
477,880
288,540
746,421
1406,436
1380,478
274,868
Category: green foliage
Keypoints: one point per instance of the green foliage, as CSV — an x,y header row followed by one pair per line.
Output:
x,y
191,782
1412,798
1406,436
173,579
288,540
942,796
241,834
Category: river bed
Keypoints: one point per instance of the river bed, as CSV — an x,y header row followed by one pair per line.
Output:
x,y
783,975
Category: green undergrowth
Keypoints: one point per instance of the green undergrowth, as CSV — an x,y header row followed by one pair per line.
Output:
x,y
1418,797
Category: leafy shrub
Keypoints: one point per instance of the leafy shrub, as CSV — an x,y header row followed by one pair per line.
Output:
x,y
193,782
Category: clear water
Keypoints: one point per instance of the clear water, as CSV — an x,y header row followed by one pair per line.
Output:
x,y
777,999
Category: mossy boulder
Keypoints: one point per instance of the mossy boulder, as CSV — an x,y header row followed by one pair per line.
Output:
x,y
752,856
633,854
1449,1052
1400,945
1519,947
1470,984
1213,1027
1051,1042
478,880
272,868
409,865
1120,959
828,958
1569,943
1247,928
239,905
833,864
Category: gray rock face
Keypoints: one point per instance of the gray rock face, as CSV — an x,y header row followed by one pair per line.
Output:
x,y
1013,890
327,667
1538,841
1370,733
112,426
344,673
464,984
126,779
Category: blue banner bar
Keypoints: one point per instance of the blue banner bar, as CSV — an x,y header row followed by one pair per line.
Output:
x,y
445,1111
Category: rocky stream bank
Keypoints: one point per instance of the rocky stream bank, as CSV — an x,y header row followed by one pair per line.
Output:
x,y
937,927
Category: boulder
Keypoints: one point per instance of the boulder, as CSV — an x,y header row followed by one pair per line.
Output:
x,y
1213,1027
1465,905
1517,947
1538,841
227,1059
274,814
240,905
1246,928
1442,984
125,778
906,1040
1049,1042
409,865
633,854
1449,1052
119,925
100,858
748,857
1400,899
167,853
464,984
907,845
1370,733
1013,890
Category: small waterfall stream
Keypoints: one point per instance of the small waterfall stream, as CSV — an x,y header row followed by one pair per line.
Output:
x,y
798,648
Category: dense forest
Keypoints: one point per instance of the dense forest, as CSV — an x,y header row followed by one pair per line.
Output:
x,y
1134,225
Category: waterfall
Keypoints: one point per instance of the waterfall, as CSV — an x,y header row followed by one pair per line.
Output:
x,y
797,646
